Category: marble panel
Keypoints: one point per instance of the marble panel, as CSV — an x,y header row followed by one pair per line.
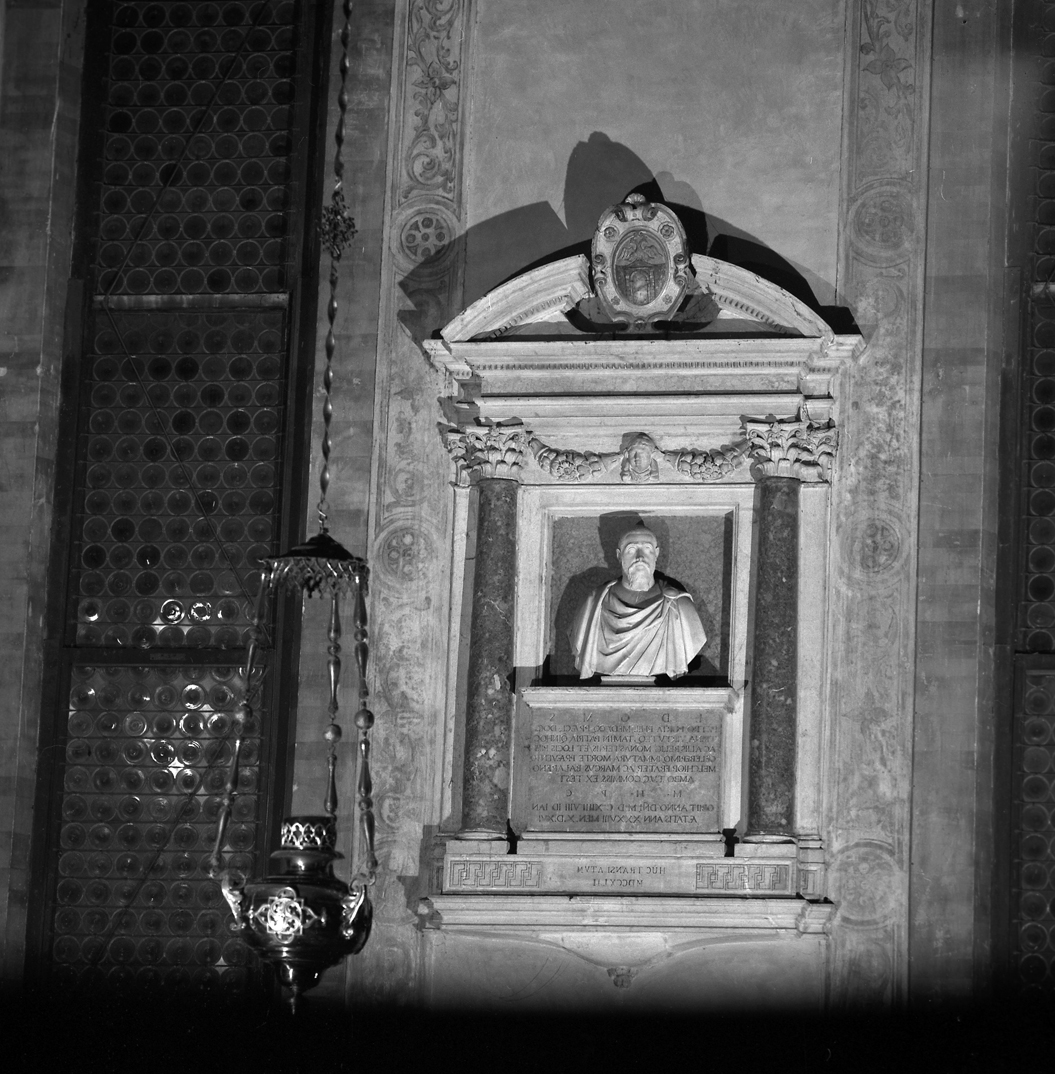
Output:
x,y
620,760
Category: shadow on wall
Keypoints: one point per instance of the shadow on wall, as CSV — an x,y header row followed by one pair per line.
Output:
x,y
600,173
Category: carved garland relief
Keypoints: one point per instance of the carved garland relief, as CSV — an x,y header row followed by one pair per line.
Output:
x,y
801,449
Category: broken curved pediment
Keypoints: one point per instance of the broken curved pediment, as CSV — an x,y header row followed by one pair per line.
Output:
x,y
544,303
639,280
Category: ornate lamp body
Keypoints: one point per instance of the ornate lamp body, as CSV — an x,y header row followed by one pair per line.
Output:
x,y
301,918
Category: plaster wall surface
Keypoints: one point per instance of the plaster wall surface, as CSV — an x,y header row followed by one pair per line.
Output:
x,y
964,316
355,353
662,971
734,108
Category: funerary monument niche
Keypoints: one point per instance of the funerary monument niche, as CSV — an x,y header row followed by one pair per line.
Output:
x,y
615,730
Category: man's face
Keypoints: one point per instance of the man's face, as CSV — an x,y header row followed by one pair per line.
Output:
x,y
638,560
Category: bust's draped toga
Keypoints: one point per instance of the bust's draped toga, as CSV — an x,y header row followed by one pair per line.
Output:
x,y
657,637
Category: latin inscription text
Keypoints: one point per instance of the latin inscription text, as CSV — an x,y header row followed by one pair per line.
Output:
x,y
643,771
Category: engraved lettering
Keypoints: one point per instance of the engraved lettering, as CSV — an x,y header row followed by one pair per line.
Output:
x,y
646,770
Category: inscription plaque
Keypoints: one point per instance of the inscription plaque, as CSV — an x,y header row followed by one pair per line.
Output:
x,y
576,866
652,769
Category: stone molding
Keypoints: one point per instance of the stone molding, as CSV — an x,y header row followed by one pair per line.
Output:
x,y
799,449
627,911
685,873
541,295
547,292
492,451
746,294
812,867
518,367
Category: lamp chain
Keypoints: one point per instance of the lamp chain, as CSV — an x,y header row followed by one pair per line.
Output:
x,y
332,734
364,720
336,229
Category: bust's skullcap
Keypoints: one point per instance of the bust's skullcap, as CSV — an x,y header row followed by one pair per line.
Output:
x,y
637,533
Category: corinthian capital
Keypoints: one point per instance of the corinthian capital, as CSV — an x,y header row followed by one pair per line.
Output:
x,y
797,448
490,451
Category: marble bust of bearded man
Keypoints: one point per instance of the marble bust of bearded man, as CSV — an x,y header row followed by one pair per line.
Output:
x,y
636,625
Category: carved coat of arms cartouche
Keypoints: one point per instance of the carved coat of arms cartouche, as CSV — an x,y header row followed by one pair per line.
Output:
x,y
640,262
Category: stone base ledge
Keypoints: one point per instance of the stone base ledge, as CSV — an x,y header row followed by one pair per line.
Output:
x,y
626,912
632,866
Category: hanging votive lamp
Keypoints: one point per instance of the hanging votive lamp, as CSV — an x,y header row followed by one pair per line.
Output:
x,y
301,918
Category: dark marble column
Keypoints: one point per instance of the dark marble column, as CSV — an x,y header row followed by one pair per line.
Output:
x,y
774,678
491,458
784,453
489,689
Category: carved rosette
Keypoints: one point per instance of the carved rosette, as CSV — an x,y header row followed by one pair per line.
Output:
x,y
422,239
566,464
489,452
796,448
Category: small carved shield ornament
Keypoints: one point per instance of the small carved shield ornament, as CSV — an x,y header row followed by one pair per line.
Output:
x,y
640,262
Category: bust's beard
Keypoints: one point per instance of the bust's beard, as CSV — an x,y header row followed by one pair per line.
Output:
x,y
639,577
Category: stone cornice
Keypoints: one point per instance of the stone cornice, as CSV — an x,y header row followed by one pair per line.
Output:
x,y
537,296
635,366
739,291
591,911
